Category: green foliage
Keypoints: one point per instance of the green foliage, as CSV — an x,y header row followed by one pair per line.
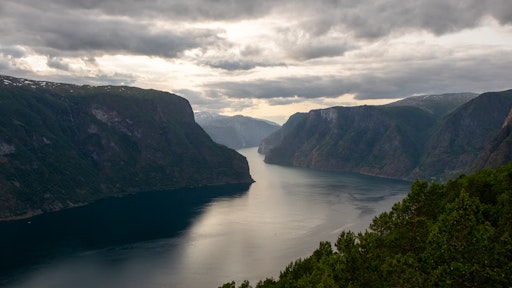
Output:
x,y
434,137
456,234
383,141
232,284
71,145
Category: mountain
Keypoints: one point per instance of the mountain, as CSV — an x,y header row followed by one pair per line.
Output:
x,y
235,131
384,141
456,232
277,136
499,151
455,145
437,105
64,145
428,136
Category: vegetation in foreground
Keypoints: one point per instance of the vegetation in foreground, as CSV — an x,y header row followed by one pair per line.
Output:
x,y
456,234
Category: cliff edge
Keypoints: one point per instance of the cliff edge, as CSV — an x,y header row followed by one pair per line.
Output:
x,y
64,145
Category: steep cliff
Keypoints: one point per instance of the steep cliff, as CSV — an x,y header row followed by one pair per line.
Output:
x,y
499,151
384,141
277,136
419,138
65,145
462,136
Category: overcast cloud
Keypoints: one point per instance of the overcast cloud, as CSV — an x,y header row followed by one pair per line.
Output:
x,y
264,58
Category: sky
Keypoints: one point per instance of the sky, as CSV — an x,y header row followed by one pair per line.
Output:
x,y
265,59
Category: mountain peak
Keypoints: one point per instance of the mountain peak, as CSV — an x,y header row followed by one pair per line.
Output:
x,y
439,104
422,136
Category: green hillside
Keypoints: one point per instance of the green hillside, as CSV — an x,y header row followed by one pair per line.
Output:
x,y
438,136
456,234
374,140
65,145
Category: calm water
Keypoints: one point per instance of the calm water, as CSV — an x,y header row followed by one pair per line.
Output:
x,y
189,240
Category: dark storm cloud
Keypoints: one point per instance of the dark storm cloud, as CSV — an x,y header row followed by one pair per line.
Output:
x,y
247,58
8,61
211,101
78,33
301,45
232,65
12,52
289,87
474,74
199,99
378,18
99,27
237,65
369,17
57,63
314,51
293,89
3,66
190,10
310,31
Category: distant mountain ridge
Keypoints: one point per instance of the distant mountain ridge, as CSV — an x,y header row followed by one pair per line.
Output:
x,y
64,145
438,105
237,131
427,136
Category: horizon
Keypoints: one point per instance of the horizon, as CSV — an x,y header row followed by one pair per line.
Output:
x,y
265,59
284,120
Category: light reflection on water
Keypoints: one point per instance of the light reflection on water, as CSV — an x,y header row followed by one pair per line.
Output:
x,y
253,235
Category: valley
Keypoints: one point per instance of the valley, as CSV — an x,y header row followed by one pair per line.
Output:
x,y
100,181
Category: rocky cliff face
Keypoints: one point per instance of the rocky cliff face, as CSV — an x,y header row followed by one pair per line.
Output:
x,y
462,136
65,145
404,141
277,136
236,132
499,151
367,139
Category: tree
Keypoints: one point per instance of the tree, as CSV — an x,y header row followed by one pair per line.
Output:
x,y
457,234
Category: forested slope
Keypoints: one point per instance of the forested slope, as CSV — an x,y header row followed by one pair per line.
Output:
x,y
456,234
419,138
64,145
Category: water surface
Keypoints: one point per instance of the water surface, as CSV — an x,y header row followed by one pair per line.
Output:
x,y
197,238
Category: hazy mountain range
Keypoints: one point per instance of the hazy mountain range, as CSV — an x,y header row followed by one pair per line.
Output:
x,y
65,145
418,137
235,131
